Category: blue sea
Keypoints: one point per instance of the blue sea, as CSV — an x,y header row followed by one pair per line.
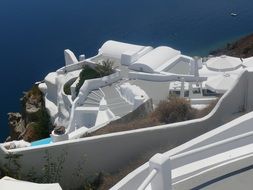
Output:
x,y
34,33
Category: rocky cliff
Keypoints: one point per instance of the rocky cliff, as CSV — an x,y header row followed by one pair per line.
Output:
x,y
241,48
33,122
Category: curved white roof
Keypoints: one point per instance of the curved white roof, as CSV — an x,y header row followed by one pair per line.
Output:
x,y
115,49
223,63
221,83
154,59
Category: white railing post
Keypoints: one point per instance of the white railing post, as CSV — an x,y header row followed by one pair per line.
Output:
x,y
162,180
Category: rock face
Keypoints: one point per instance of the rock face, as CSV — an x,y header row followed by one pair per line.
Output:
x,y
241,48
17,126
33,123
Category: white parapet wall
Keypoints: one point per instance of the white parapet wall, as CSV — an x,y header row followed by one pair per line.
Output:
x,y
51,83
110,152
75,66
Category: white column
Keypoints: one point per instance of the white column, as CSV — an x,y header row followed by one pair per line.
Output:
x,y
162,180
182,88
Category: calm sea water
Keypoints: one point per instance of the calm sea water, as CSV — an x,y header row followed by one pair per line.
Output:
x,y
34,33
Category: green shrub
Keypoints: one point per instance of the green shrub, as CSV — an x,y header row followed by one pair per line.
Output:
x,y
86,73
67,86
101,70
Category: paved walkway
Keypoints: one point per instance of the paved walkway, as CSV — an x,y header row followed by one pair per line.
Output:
x,y
238,180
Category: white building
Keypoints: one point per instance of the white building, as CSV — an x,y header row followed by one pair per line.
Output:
x,y
140,75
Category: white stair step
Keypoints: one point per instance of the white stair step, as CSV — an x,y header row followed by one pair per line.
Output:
x,y
92,99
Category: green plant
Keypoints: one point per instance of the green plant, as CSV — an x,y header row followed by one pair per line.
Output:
x,y
86,73
67,85
100,70
105,68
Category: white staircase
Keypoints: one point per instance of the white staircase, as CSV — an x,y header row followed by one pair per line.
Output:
x,y
115,102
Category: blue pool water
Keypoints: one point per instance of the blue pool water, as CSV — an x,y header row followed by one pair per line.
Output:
x,y
42,142
33,34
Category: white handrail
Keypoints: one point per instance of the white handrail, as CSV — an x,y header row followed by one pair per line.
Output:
x,y
163,162
213,145
148,180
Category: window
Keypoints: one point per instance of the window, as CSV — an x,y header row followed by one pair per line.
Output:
x,y
196,91
175,93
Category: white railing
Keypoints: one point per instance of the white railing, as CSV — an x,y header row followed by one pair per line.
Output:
x,y
148,180
163,165
164,77
75,66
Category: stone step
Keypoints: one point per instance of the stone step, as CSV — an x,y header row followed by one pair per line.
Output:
x,y
110,92
92,99
91,103
118,103
97,93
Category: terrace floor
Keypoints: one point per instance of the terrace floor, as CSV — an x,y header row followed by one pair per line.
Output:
x,y
241,179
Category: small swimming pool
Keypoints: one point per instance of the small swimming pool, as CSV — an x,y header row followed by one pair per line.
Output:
x,y
42,142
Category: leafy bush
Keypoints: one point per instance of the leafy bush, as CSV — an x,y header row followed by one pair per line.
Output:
x,y
86,73
67,85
